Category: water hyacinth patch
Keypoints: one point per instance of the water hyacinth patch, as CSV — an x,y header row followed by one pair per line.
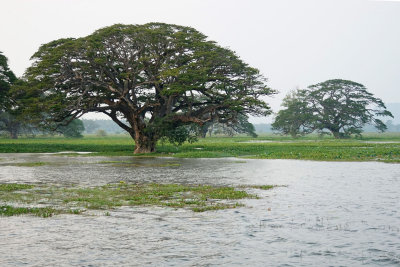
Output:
x,y
382,147
75,200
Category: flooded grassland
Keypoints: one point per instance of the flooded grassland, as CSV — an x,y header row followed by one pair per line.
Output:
x,y
329,213
386,149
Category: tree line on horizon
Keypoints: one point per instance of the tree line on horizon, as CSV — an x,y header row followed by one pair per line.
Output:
x,y
162,81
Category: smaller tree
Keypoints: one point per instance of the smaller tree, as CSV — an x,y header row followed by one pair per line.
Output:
x,y
101,133
344,107
295,119
339,106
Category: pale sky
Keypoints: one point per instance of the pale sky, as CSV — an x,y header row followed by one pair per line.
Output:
x,y
294,43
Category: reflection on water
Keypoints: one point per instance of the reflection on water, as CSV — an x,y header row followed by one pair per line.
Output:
x,y
331,213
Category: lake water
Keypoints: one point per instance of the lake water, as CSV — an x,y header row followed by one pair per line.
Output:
x,y
330,214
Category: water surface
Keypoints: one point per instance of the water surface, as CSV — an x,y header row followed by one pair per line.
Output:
x,y
330,214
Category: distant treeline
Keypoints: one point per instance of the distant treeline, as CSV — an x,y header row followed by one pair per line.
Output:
x,y
96,126
391,127
110,127
266,128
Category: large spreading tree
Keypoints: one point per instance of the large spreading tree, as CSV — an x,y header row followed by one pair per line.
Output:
x,y
340,106
150,79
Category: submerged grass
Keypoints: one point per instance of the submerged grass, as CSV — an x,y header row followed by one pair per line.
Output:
x,y
28,164
372,147
116,163
14,187
45,212
263,187
56,200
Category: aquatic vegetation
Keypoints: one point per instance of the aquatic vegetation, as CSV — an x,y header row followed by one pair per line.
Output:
x,y
57,200
7,210
385,147
28,164
14,187
263,187
113,162
133,164
217,207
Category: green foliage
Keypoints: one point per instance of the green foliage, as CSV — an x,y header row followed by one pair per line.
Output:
x,y
177,135
73,129
7,78
14,187
295,119
28,164
46,212
9,122
244,126
339,106
385,147
263,187
101,133
143,77
240,125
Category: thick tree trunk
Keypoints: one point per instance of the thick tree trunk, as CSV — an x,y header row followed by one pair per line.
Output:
x,y
145,141
144,144
141,148
336,134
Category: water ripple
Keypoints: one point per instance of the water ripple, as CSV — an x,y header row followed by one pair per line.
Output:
x,y
331,214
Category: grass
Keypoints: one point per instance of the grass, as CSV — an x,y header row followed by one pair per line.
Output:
x,y
60,200
263,187
28,164
7,210
14,187
282,147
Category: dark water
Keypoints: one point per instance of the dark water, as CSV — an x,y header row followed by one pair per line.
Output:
x,y
331,214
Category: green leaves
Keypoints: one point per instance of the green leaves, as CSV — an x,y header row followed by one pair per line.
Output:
x,y
73,129
143,73
296,119
7,78
340,106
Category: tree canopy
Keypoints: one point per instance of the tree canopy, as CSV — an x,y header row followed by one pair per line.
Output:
x,y
7,78
340,106
295,119
239,126
73,129
8,121
155,77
